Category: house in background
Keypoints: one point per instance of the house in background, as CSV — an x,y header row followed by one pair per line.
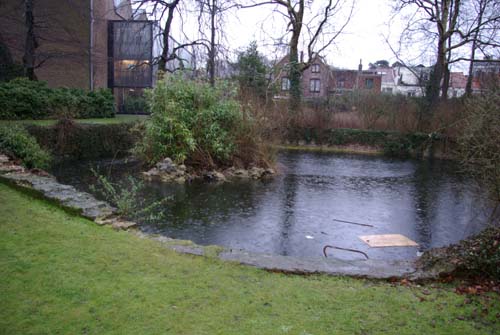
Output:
x,y
315,81
84,44
319,80
351,80
389,82
410,81
485,73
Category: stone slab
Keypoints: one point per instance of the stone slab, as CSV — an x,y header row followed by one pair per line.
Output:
x,y
67,196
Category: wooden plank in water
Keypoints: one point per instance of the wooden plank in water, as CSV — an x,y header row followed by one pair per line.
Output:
x,y
388,240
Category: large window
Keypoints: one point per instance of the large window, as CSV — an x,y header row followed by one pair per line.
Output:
x,y
285,84
315,85
315,68
130,54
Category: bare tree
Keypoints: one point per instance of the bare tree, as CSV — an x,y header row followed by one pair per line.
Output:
x,y
438,18
486,25
451,25
31,41
164,12
211,18
321,27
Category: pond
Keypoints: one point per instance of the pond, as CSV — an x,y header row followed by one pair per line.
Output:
x,y
300,211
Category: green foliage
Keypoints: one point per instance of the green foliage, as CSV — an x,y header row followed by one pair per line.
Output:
x,y
135,104
394,144
22,99
17,142
86,141
191,120
126,197
252,72
479,140
475,256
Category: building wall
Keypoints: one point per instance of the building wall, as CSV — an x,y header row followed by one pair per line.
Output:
x,y
324,79
105,10
63,30
348,80
64,43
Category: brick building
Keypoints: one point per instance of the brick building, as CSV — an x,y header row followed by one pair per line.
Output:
x,y
351,80
82,44
320,81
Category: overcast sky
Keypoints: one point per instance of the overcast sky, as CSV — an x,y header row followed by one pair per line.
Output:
x,y
362,38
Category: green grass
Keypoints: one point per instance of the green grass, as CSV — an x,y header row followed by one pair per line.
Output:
x,y
117,119
61,274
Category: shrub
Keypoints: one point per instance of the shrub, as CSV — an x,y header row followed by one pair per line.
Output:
x,y
478,255
25,99
393,143
191,120
135,104
85,141
17,142
479,145
127,197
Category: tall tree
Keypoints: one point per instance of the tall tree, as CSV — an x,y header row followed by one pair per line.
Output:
x,y
211,17
485,26
320,33
252,72
31,41
163,11
447,25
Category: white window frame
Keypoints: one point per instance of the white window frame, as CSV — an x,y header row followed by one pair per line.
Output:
x,y
315,85
315,68
285,84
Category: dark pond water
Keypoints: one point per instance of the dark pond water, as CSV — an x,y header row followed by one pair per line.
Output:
x,y
295,213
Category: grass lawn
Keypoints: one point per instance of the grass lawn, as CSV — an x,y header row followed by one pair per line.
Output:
x,y
61,274
117,119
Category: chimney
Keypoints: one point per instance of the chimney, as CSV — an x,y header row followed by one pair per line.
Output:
x,y
302,56
360,67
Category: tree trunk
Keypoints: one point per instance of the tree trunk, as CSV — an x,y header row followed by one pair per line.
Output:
x,y
446,82
162,64
295,75
31,43
468,86
211,53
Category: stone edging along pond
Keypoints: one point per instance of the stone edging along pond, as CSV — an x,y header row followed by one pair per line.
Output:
x,y
67,197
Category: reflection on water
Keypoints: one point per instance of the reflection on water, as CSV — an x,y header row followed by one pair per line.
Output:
x,y
424,200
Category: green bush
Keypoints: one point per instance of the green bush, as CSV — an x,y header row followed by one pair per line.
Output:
x,y
86,141
135,104
191,120
393,143
25,99
17,142
479,145
478,255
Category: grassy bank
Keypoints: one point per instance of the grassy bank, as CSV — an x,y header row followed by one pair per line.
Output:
x,y
63,274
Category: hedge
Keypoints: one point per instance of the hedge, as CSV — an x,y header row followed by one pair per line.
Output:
x,y
22,99
393,143
86,141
